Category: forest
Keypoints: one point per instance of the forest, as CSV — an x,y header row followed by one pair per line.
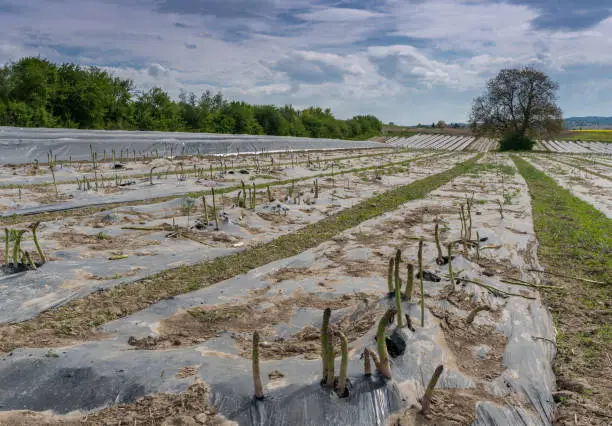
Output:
x,y
35,92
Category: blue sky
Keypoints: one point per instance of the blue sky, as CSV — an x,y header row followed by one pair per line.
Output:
x,y
405,61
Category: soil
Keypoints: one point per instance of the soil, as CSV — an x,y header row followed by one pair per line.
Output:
x,y
188,371
307,341
277,219
130,217
48,196
465,339
361,268
499,268
193,326
102,242
449,407
399,227
186,408
284,274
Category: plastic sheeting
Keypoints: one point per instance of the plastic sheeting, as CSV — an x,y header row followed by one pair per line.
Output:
x,y
95,374
142,190
19,145
590,188
25,295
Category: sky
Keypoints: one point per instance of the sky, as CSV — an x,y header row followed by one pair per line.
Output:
x,y
405,61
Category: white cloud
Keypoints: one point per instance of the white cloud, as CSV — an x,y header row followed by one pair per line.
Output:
x,y
268,89
405,61
339,14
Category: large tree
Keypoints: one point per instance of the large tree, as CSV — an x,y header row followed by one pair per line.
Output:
x,y
520,102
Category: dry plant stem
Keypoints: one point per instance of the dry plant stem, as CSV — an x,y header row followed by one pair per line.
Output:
x,y
421,282
567,276
501,208
144,228
205,209
409,323
253,197
385,367
462,223
495,291
259,394
374,359
367,365
514,281
409,281
465,238
54,181
477,246
474,312
390,275
450,265
437,235
33,228
331,357
426,401
398,301
324,340
151,175
215,210
343,364
469,217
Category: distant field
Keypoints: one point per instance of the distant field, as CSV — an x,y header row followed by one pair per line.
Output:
x,y
405,131
588,135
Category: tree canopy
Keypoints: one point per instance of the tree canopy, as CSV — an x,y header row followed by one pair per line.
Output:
x,y
518,101
37,93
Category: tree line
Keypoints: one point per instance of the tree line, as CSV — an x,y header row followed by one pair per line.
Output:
x,y
35,92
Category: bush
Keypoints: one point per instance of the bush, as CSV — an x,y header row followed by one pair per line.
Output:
x,y
516,142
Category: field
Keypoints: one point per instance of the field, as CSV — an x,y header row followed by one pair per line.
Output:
x,y
588,135
428,280
405,131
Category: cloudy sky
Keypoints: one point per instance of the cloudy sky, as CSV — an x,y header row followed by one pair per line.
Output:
x,y
405,61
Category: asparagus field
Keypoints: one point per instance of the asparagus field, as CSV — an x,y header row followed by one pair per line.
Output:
x,y
189,279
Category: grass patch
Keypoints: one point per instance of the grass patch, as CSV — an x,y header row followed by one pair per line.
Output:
x,y
575,240
496,168
74,321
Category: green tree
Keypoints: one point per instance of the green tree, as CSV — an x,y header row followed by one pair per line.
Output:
x,y
272,121
36,93
518,101
154,110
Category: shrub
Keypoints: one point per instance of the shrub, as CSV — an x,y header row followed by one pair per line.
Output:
x,y
516,142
